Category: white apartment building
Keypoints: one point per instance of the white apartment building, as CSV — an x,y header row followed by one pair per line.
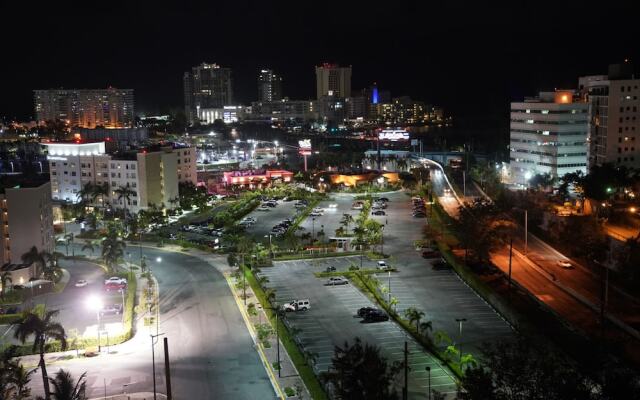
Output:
x,y
153,176
548,135
614,117
26,220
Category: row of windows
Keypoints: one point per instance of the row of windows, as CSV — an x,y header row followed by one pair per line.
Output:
x,y
628,88
620,149
548,133
545,122
524,161
555,144
528,111
634,109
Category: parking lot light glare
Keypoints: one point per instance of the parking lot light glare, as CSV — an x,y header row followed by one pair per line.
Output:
x,y
94,303
159,259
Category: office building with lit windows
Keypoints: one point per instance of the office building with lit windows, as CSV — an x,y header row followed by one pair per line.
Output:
x,y
269,86
614,117
548,136
333,80
86,108
206,86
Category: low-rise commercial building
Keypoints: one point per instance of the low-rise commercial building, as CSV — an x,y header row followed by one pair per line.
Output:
x,y
255,178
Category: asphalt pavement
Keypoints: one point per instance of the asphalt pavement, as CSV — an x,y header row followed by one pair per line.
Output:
x,y
212,355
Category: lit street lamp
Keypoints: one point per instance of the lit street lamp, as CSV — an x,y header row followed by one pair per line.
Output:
x,y
95,303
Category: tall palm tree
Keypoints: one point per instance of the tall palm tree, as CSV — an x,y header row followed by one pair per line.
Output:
x,y
347,219
86,192
124,192
4,279
112,248
52,269
414,315
64,387
34,256
42,329
100,191
89,245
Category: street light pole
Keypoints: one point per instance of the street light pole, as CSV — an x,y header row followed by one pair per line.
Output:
x,y
526,231
313,228
153,361
460,321
428,369
389,285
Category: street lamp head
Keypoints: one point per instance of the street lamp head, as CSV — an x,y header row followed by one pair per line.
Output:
x,y
94,303
159,259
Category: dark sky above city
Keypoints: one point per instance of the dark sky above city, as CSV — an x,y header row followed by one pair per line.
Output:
x,y
471,57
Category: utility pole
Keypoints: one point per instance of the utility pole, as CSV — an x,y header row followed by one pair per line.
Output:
x,y
167,370
526,232
428,369
278,342
405,389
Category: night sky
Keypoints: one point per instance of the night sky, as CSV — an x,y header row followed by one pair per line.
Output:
x,y
471,58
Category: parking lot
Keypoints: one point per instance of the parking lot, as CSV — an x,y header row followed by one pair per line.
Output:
x,y
265,220
442,295
332,320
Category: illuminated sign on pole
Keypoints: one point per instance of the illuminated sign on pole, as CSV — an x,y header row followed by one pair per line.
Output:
x,y
305,150
393,135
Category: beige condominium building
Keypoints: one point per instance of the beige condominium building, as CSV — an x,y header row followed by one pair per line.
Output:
x,y
26,219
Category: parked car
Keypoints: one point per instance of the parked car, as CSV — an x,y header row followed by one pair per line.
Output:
x,y
111,309
336,280
357,206
330,269
115,279
316,214
441,265
375,316
81,283
431,253
385,199
378,212
263,208
333,205
419,215
297,305
382,264
318,209
566,264
365,310
112,286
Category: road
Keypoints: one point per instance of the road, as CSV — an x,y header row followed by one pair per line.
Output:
x,y
212,354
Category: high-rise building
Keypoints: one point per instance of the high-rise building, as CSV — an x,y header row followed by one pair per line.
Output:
x,y
283,110
206,86
548,135
86,108
153,174
26,219
614,120
333,80
269,86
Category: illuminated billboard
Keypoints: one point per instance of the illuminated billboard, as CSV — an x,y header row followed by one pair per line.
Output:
x,y
393,134
305,146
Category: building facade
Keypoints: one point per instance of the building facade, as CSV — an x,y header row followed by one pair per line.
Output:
x,y
269,86
285,109
26,220
86,108
333,80
206,86
614,118
548,136
152,175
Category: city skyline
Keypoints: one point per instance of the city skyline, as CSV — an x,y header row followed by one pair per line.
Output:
x,y
477,51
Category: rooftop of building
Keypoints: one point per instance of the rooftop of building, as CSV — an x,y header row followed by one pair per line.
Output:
x,y
256,172
22,181
13,267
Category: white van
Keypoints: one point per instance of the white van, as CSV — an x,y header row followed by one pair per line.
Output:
x,y
297,305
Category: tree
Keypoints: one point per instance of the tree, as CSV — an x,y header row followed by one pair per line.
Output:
x,y
64,387
86,192
482,227
414,315
52,270
21,378
89,245
34,256
360,372
4,279
42,330
124,192
112,248
347,219
100,191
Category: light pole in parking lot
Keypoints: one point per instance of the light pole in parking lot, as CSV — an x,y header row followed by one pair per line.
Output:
x,y
313,228
270,245
428,369
389,286
276,310
460,321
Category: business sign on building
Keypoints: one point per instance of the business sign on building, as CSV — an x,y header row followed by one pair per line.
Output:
x,y
393,135
305,147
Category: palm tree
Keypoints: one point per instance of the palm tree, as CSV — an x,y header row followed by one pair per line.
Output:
x,y
42,330
100,191
4,278
347,219
92,220
89,245
426,327
414,315
86,192
112,248
20,379
52,269
125,192
34,256
64,388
